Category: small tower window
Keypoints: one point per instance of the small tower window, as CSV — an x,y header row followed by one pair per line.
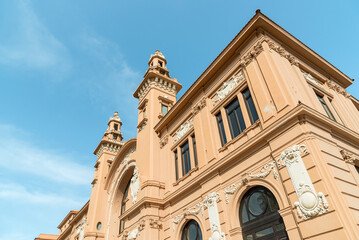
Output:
x,y
164,109
115,136
160,63
115,127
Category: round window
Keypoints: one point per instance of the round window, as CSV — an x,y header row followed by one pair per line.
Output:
x,y
99,225
257,203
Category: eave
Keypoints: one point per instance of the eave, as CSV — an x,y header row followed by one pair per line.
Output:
x,y
257,22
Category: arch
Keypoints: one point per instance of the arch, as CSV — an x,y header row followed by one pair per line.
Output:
x,y
182,224
259,216
191,231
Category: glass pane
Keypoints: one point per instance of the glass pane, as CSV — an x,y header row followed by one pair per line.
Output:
x,y
257,203
249,237
233,124
164,109
252,110
244,214
192,232
242,125
264,232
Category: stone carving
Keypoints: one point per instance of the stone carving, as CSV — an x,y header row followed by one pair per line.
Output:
x,y
80,230
281,51
311,79
227,87
163,141
133,234
336,87
196,209
257,49
211,203
156,82
348,157
108,147
183,129
231,189
135,184
142,126
310,203
266,169
177,219
142,225
155,223
199,106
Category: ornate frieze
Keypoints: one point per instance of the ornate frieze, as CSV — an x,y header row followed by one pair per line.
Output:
x,y
199,106
163,141
282,52
256,50
336,87
107,147
310,202
266,169
135,184
183,129
227,87
348,157
311,79
80,229
159,82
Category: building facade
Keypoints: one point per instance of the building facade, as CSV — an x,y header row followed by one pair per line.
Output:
x,y
263,145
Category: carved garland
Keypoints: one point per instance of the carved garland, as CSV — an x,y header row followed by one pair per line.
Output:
x,y
266,169
227,87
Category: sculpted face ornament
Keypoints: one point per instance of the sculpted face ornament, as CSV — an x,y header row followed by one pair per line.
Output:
x,y
310,203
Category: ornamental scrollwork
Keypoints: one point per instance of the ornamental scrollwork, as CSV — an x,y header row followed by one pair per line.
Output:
x,y
227,87
282,52
231,189
266,169
348,157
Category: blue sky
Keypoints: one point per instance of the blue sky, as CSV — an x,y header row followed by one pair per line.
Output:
x,y
66,66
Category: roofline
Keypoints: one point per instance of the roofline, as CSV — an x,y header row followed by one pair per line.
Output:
x,y
259,20
67,217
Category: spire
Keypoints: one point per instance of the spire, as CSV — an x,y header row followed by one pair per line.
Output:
x,y
113,131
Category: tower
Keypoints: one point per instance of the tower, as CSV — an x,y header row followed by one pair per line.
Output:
x,y
106,151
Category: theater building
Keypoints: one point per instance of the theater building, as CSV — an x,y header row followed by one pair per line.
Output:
x,y
263,145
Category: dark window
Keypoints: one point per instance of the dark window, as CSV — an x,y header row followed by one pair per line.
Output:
x,y
161,63
235,118
357,168
144,112
123,206
116,127
325,106
250,105
186,160
115,136
259,216
194,150
222,133
164,109
191,231
176,164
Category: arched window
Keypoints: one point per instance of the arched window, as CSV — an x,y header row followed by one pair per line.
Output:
x,y
123,206
259,216
191,231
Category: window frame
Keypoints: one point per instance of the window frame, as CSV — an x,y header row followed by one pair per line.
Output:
x,y
221,129
238,117
186,163
246,102
325,106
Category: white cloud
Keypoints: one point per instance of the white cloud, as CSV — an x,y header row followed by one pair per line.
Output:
x,y
28,42
17,236
22,156
16,192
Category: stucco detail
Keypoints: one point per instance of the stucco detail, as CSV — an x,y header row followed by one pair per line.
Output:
x,y
183,129
336,87
133,234
311,79
227,87
199,106
163,141
348,157
282,52
231,189
80,230
135,184
159,83
310,202
266,169
211,203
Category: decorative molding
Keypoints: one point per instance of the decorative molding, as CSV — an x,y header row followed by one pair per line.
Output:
x,y
135,184
231,189
161,83
163,141
142,225
227,87
282,52
133,234
256,50
107,147
177,219
199,106
211,203
348,157
183,129
311,79
266,169
336,87
142,125
155,223
310,203
80,229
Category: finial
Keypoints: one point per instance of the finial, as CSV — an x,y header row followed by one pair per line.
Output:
x,y
116,114
258,11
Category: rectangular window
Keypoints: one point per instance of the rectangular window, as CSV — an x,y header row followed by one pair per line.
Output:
x,y
186,160
176,164
115,136
164,109
116,127
250,105
325,106
235,118
194,150
222,133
